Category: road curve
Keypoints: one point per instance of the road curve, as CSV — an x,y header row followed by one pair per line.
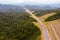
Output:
x,y
44,31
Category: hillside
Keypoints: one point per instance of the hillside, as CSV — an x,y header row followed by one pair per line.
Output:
x,y
17,26
52,26
7,8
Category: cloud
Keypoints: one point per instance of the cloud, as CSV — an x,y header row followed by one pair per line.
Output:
x,y
43,1
11,1
29,1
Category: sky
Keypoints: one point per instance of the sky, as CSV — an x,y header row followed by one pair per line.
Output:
x,y
30,1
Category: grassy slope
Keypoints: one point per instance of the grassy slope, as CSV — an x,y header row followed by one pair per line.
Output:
x,y
53,17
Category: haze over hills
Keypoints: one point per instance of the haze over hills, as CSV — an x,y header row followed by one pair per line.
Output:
x,y
44,7
18,8
7,8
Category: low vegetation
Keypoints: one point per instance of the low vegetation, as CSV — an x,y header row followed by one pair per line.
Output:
x,y
54,17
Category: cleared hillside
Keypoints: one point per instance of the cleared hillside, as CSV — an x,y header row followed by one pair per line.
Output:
x,y
52,27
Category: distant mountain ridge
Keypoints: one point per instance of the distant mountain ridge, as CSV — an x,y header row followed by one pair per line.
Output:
x,y
44,7
18,8
6,8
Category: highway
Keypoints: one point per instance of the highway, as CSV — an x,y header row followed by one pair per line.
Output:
x,y
53,27
44,31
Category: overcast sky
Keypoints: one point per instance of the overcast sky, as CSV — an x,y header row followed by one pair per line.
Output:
x,y
30,1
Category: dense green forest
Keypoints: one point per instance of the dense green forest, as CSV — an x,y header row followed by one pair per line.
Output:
x,y
17,26
51,18
43,12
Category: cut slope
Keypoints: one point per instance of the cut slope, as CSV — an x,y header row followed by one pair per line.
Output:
x,y
52,27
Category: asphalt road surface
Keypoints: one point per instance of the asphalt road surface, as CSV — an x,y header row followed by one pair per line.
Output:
x,y
44,31
53,28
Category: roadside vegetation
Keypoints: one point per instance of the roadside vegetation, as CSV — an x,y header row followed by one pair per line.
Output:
x,y
54,17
